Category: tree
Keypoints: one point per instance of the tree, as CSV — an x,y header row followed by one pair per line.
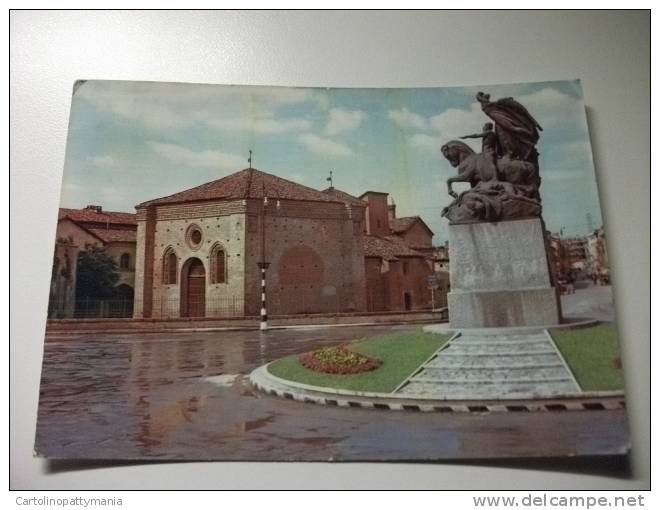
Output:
x,y
97,274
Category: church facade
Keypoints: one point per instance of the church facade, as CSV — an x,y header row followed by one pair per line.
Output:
x,y
198,251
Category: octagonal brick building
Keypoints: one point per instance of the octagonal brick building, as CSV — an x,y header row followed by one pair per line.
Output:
x,y
198,250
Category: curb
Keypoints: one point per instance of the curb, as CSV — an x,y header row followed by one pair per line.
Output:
x,y
269,384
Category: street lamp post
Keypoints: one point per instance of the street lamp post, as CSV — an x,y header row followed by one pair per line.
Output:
x,y
263,325
263,265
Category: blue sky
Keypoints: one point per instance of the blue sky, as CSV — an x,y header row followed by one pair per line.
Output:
x,y
133,141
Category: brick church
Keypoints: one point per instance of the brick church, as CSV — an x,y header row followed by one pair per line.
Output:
x,y
198,251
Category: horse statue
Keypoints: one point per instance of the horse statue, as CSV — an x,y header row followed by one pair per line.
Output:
x,y
504,177
475,167
500,188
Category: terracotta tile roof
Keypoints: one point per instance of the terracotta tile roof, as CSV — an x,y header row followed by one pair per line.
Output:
x,y
400,225
248,183
114,235
388,248
342,196
92,216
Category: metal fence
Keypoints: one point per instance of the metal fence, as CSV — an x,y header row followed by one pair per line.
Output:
x,y
219,307
95,308
226,307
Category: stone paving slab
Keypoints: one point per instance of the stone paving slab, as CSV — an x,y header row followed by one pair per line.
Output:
x,y
536,360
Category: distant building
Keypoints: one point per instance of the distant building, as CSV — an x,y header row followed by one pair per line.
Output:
x,y
441,257
580,255
597,258
558,260
576,253
78,228
398,254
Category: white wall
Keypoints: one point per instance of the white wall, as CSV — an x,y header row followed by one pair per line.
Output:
x,y
609,51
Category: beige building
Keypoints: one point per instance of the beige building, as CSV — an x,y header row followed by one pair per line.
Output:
x,y
78,228
198,250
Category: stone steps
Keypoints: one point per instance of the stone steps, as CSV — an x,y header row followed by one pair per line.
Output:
x,y
504,373
487,365
498,351
538,360
489,391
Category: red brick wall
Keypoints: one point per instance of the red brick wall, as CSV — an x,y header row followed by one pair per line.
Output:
x,y
316,258
415,282
386,290
418,236
378,297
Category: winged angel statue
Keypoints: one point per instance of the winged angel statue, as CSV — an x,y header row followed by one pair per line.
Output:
x,y
504,177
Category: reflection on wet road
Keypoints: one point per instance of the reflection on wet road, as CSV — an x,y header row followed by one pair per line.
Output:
x,y
184,396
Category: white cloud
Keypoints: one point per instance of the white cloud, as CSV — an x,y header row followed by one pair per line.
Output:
x,y
426,142
322,100
135,102
262,125
205,158
165,106
341,120
324,146
101,161
548,106
406,119
455,122
551,107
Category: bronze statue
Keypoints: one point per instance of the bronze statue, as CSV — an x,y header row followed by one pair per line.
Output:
x,y
504,177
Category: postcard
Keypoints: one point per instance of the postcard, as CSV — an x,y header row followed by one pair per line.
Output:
x,y
327,274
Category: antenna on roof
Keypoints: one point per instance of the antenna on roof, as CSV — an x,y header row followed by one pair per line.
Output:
x,y
250,159
329,179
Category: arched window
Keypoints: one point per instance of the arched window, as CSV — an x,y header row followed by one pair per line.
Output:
x,y
218,265
124,261
169,267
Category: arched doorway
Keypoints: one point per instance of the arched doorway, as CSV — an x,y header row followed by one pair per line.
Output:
x,y
193,289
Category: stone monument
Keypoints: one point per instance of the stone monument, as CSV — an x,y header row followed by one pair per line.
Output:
x,y
500,273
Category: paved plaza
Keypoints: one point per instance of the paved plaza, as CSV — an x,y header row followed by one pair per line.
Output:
x,y
185,396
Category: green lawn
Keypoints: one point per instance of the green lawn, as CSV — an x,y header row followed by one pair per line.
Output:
x,y
401,354
590,353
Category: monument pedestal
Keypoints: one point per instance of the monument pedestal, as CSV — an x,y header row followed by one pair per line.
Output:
x,y
500,275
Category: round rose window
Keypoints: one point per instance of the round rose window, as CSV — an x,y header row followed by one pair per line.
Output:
x,y
194,236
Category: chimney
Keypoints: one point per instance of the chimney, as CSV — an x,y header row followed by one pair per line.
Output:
x,y
95,208
376,213
391,210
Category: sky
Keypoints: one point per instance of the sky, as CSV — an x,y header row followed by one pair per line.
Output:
x,y
130,142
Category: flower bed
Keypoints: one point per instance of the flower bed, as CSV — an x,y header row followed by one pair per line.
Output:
x,y
338,360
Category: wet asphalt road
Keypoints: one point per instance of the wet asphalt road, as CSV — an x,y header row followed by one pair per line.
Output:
x,y
119,396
